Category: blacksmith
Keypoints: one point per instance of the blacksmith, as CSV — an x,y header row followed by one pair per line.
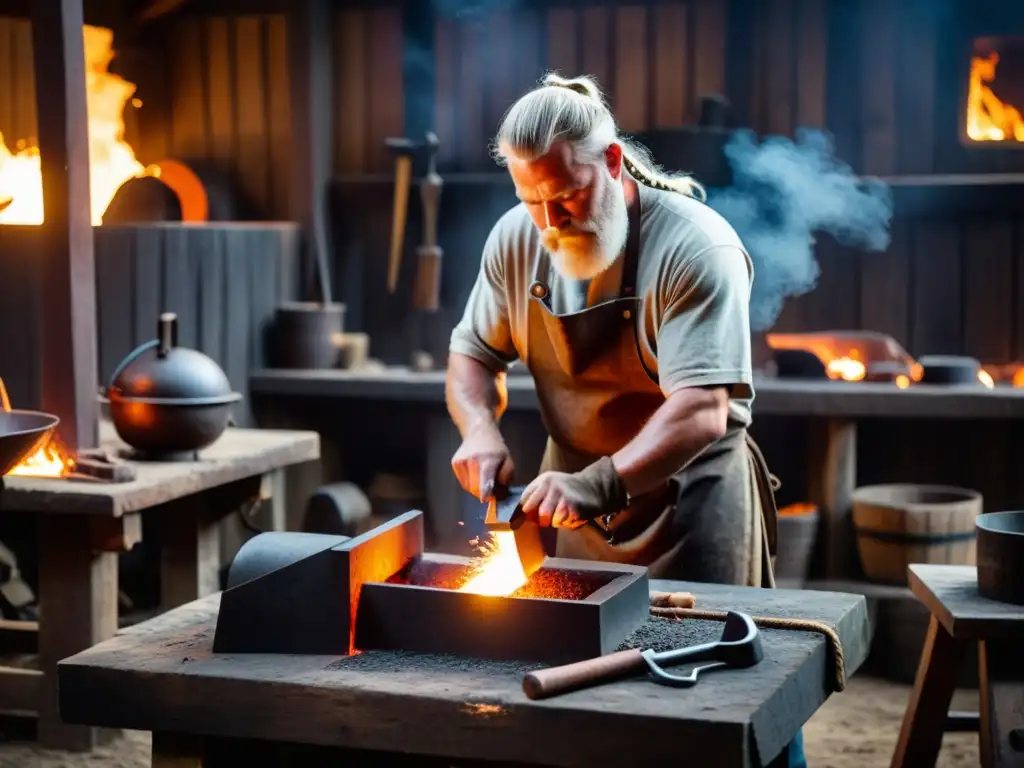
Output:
x,y
627,298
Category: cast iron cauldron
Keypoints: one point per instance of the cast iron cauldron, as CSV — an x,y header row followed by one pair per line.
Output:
x,y
167,401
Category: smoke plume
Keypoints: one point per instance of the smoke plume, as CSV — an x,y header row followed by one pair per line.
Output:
x,y
784,192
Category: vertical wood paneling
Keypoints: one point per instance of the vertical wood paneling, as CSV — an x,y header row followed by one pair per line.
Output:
x,y
780,69
631,78
709,47
188,91
501,53
352,82
368,87
562,47
812,62
988,290
885,287
878,115
251,111
446,106
915,88
385,105
220,64
937,290
671,91
471,82
279,128
597,57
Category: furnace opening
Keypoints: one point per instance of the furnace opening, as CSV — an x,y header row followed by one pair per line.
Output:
x,y
545,583
995,93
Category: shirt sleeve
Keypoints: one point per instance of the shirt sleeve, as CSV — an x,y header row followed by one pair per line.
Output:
x,y
704,337
484,332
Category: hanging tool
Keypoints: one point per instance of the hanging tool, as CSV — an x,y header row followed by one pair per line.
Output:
x,y
505,513
738,647
403,149
427,295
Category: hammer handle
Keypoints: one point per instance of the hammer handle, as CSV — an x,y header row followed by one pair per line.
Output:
x,y
582,674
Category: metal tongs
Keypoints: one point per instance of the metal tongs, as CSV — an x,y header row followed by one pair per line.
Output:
x,y
739,647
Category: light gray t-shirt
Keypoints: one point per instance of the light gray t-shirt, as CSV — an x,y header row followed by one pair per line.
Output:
x,y
693,282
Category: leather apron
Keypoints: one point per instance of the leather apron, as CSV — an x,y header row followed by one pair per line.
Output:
x,y
715,520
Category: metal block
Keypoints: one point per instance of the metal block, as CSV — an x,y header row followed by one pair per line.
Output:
x,y
418,611
298,592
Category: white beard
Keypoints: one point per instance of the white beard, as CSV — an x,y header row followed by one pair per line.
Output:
x,y
586,249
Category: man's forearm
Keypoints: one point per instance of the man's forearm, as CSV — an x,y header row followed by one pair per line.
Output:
x,y
687,423
476,396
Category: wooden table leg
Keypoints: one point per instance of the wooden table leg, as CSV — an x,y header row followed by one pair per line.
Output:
x,y
77,609
1001,688
176,750
921,733
833,477
190,531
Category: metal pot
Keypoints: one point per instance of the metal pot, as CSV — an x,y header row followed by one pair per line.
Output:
x,y
167,400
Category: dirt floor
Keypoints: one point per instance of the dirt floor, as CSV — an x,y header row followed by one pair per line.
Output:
x,y
855,729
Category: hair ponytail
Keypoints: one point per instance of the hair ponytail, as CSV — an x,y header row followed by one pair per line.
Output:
x,y
574,110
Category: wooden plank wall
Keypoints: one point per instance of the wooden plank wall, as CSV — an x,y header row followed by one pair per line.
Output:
x,y
223,281
228,102
653,60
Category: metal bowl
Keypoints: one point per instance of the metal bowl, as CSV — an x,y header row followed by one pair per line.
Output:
x,y
22,433
1001,556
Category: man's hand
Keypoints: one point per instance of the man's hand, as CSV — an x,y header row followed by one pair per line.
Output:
x,y
564,500
483,460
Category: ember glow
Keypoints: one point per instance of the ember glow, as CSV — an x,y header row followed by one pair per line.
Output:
x,y
846,369
499,571
51,460
988,118
111,160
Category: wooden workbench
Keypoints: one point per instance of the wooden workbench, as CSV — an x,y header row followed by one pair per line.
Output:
x,y
83,525
833,408
162,676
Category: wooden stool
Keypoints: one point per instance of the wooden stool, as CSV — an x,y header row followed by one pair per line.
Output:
x,y
959,615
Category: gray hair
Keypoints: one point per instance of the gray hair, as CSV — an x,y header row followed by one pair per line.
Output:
x,y
575,111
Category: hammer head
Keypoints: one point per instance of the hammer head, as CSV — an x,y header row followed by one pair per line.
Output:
x,y
401,145
505,514
503,510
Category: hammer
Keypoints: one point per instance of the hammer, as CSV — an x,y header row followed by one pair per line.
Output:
x,y
403,149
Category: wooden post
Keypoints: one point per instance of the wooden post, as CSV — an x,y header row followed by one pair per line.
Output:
x,y
68,289
310,62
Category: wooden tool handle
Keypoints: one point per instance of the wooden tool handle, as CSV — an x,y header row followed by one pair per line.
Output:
x,y
672,600
550,682
403,180
430,195
427,292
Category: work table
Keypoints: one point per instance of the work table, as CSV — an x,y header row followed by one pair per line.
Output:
x,y
773,396
162,676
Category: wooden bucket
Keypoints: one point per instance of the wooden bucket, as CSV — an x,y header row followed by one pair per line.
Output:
x,y
902,524
798,529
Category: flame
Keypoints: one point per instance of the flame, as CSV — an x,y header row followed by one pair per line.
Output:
x,y
499,571
51,460
111,160
1018,377
988,118
846,369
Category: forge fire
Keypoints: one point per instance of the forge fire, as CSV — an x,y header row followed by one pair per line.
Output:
x,y
52,459
995,95
112,160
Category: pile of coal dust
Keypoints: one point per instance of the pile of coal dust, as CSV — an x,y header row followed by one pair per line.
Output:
x,y
656,633
552,584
